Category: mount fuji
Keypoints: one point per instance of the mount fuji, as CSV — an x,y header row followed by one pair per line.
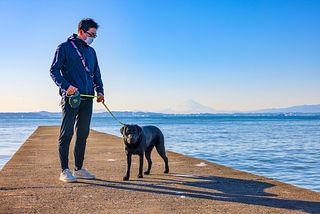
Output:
x,y
189,107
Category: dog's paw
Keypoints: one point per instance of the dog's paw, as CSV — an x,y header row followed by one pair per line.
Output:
x,y
147,172
166,171
125,178
140,176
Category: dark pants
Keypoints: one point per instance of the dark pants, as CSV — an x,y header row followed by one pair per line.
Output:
x,y
78,119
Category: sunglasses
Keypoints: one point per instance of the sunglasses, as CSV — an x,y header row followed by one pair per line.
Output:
x,y
91,35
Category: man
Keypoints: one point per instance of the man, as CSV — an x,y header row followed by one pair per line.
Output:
x,y
75,68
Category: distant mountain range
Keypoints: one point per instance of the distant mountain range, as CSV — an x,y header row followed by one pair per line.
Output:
x,y
193,107
45,114
189,107
296,109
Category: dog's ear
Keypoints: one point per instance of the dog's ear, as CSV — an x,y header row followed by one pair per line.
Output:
x,y
122,130
139,129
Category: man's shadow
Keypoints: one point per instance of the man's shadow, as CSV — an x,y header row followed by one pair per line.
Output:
x,y
211,188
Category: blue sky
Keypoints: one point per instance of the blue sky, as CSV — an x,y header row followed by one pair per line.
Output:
x,y
228,55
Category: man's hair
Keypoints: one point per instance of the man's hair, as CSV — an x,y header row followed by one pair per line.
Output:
x,y
86,24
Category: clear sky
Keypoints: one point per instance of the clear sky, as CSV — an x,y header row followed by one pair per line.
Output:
x,y
228,55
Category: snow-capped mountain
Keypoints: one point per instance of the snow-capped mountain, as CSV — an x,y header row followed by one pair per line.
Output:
x,y
189,107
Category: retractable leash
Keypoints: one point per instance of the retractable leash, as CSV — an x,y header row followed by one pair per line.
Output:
x,y
75,100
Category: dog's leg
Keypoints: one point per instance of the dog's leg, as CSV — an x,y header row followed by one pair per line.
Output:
x,y
148,157
165,159
129,157
140,175
162,152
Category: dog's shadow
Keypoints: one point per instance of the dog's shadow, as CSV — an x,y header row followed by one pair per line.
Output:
x,y
210,188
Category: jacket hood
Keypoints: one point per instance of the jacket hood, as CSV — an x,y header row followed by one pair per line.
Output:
x,y
75,39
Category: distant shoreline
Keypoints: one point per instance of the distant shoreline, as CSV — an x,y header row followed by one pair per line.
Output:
x,y
48,115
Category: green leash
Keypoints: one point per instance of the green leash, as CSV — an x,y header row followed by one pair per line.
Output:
x,y
106,107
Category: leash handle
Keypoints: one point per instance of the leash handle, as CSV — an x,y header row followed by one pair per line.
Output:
x,y
106,107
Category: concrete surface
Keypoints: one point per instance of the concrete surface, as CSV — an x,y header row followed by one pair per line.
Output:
x,y
29,184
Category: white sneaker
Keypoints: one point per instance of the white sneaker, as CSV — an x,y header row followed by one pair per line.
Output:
x,y
83,173
66,176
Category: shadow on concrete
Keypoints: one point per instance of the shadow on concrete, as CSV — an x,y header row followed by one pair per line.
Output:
x,y
205,187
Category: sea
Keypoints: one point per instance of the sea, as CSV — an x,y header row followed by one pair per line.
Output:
x,y
285,148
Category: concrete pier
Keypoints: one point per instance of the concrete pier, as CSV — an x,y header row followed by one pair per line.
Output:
x,y
29,183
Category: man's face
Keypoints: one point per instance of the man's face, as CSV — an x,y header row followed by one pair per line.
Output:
x,y
92,32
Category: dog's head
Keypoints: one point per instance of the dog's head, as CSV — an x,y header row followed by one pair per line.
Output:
x,y
131,134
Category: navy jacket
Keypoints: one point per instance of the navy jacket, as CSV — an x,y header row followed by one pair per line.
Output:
x,y
67,68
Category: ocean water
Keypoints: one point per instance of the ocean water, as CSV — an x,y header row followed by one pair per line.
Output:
x,y
282,148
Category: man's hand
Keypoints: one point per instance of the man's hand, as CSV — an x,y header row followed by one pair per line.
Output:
x,y
100,98
71,90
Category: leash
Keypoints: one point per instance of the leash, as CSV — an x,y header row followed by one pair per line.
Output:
x,y
106,107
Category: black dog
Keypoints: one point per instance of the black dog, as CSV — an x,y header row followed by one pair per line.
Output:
x,y
141,140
